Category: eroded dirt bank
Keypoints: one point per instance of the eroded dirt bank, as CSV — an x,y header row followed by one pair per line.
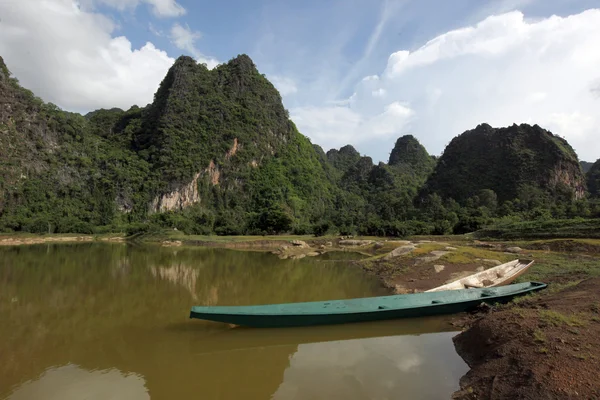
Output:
x,y
546,347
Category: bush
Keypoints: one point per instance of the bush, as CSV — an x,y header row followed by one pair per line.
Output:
x,y
321,228
38,225
302,229
138,228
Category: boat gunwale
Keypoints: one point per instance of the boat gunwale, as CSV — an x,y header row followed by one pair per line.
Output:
x,y
534,285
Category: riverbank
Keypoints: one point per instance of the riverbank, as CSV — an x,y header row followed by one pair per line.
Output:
x,y
544,347
28,239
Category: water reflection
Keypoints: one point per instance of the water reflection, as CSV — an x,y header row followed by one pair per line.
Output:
x,y
377,368
87,312
71,382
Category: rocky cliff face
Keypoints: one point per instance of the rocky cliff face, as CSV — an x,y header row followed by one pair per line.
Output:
x,y
506,160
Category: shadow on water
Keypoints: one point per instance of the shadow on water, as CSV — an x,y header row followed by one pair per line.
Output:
x,y
111,321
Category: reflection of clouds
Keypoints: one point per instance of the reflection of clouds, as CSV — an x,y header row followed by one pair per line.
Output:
x,y
423,367
71,382
183,275
408,363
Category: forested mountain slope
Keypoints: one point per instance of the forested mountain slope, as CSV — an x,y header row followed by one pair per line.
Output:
x,y
216,152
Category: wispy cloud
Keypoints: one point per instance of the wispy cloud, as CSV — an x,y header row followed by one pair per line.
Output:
x,y
160,8
387,11
185,39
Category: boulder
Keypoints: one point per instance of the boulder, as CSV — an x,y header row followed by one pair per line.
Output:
x,y
398,251
514,250
355,242
438,268
300,243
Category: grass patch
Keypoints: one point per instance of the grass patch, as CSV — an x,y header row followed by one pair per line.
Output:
x,y
542,350
425,248
557,228
561,270
539,336
469,255
523,299
559,287
556,318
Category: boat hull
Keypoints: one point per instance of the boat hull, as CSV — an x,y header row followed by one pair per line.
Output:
x,y
496,276
360,310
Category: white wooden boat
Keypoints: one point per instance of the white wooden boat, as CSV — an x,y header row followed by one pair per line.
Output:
x,y
495,276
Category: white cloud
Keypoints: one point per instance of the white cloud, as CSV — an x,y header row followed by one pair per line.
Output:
x,y
160,8
286,86
185,39
505,69
68,56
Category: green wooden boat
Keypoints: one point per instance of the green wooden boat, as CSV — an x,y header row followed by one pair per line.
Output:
x,y
362,309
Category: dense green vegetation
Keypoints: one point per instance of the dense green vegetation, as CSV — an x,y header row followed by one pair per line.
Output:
x,y
593,179
216,153
585,166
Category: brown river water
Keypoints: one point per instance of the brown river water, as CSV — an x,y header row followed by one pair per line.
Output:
x,y
110,321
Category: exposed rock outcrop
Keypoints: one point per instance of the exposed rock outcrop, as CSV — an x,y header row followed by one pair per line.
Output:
x,y
177,199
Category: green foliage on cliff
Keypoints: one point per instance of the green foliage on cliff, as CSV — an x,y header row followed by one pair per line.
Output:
x,y
585,166
217,151
593,179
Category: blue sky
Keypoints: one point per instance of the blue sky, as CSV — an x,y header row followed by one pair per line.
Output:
x,y
350,71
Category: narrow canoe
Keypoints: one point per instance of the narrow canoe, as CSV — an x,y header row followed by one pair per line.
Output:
x,y
361,309
492,277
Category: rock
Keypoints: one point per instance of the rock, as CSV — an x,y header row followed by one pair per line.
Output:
x,y
322,246
284,247
297,256
493,262
514,250
438,268
398,251
312,254
423,241
477,243
283,256
355,242
378,245
400,242
480,269
172,243
300,243
329,244
449,248
439,253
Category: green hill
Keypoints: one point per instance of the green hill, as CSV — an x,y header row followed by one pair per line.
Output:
x,y
509,161
216,152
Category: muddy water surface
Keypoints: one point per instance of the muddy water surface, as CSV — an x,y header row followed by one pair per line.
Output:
x,y
99,321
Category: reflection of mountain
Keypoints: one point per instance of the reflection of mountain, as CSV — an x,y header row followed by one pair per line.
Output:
x,y
179,274
71,382
378,368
